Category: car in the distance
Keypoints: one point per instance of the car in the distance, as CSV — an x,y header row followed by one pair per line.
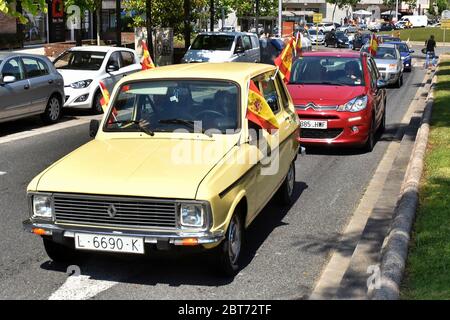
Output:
x,y
228,29
405,53
316,37
84,67
224,47
326,27
339,99
385,38
336,39
175,165
360,40
348,28
389,63
29,85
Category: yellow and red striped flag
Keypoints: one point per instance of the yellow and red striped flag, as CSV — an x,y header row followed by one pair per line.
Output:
x,y
258,110
298,44
147,62
284,60
104,101
373,46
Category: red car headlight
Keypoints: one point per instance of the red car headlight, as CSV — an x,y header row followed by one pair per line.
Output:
x,y
354,105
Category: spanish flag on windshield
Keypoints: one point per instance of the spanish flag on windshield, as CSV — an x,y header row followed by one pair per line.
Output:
x,y
258,110
284,60
147,62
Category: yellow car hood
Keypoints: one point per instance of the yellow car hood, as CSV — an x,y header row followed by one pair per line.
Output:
x,y
134,167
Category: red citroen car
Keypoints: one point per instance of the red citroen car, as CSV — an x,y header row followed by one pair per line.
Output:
x,y
339,98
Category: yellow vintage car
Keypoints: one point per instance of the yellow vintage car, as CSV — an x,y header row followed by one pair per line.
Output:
x,y
174,162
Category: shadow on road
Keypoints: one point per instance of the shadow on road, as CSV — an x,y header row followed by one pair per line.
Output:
x,y
35,122
178,267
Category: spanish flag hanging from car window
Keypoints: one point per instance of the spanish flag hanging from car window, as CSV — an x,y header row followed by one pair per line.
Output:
x,y
298,44
373,46
258,110
147,62
284,60
104,101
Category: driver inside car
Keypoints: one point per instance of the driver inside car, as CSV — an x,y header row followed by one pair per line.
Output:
x,y
352,72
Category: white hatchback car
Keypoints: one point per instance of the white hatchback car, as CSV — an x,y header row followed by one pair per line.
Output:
x,y
84,67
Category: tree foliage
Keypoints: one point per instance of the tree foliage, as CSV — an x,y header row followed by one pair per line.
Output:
x,y
441,6
9,7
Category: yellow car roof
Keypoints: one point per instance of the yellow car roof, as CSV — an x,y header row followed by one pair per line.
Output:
x,y
235,71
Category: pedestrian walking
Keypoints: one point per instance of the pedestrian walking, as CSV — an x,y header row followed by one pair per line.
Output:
x,y
430,52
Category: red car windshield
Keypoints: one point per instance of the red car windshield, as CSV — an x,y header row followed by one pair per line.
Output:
x,y
338,71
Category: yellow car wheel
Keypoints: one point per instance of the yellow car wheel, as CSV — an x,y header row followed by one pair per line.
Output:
x,y
229,252
286,191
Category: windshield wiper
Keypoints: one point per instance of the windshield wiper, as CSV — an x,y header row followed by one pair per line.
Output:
x,y
319,83
138,123
187,123
332,83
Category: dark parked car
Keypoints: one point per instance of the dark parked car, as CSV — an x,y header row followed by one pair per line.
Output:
x,y
336,39
386,27
360,40
29,85
385,38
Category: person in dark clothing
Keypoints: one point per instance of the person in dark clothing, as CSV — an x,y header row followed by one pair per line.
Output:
x,y
431,45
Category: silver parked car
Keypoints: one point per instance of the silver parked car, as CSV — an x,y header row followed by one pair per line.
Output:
x,y
316,38
29,85
389,63
224,47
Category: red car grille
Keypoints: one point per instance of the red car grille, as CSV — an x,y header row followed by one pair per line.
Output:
x,y
317,116
320,134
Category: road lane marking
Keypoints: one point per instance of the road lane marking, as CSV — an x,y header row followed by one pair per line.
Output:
x,y
47,129
81,287
2,173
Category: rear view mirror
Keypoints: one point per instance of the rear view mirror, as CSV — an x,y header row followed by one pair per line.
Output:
x,y
239,49
112,68
93,128
381,84
8,79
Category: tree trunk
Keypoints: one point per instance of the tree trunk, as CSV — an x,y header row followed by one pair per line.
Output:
x,y
334,10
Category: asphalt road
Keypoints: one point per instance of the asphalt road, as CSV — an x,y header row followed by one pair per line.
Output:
x,y
286,251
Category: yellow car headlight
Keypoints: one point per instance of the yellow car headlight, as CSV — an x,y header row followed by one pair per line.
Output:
x,y
42,206
192,215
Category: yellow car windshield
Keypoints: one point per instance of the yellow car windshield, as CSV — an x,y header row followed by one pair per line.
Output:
x,y
172,105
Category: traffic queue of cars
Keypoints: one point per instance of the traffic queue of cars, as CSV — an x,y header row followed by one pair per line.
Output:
x,y
152,179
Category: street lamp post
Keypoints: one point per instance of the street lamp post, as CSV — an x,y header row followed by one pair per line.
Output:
x,y
280,17
257,17
211,12
118,24
187,24
148,25
396,11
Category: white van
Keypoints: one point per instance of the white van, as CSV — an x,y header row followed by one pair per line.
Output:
x,y
416,21
224,47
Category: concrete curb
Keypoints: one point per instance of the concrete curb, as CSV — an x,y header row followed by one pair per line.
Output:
x,y
395,250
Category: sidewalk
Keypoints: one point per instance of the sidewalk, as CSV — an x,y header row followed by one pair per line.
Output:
x,y
30,50
422,43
